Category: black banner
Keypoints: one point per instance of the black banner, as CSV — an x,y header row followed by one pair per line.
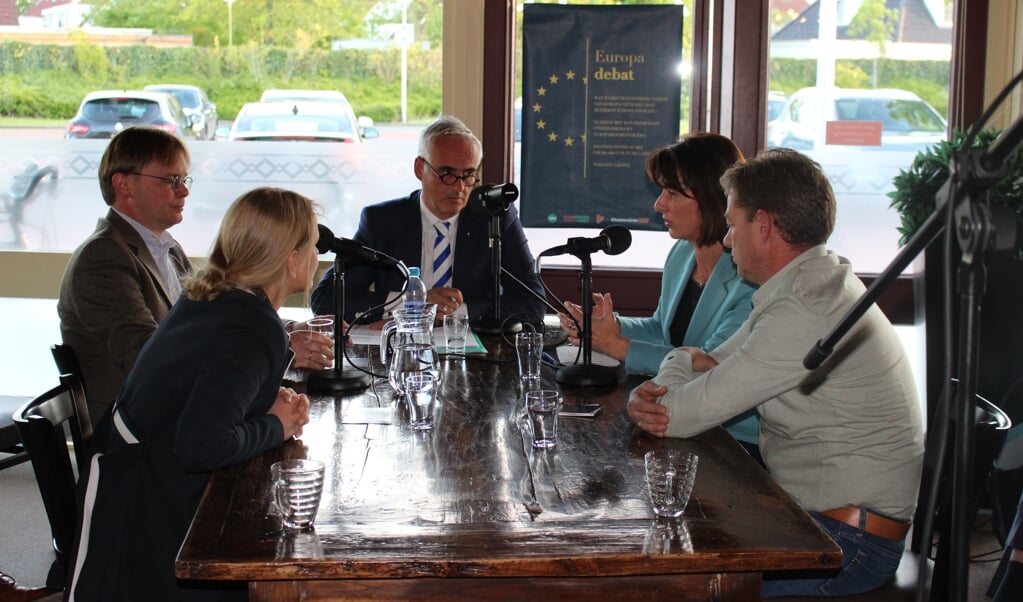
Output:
x,y
601,89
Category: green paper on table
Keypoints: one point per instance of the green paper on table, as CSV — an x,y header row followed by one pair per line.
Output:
x,y
472,341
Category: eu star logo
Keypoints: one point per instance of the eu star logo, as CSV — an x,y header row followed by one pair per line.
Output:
x,y
557,108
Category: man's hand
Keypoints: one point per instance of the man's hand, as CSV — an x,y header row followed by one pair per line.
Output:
x,y
646,412
447,300
292,409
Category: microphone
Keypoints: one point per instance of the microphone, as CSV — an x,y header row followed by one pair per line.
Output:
x,y
492,199
352,251
613,240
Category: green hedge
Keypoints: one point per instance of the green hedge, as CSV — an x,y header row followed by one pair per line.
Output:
x,y
927,79
42,80
49,81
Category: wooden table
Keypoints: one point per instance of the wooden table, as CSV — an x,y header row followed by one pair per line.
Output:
x,y
470,511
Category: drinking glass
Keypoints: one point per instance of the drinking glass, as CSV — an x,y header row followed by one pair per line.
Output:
x,y
297,486
421,394
542,407
670,475
529,349
325,326
456,330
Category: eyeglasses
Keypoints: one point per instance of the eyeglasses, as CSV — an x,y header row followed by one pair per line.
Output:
x,y
448,178
175,182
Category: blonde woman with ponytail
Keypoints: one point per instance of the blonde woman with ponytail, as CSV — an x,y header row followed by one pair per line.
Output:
x,y
204,393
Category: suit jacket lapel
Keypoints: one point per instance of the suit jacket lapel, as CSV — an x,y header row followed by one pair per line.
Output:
x,y
678,286
466,263
141,251
718,286
410,238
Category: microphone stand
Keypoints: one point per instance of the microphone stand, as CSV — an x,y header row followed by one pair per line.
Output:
x,y
972,173
586,374
496,325
339,379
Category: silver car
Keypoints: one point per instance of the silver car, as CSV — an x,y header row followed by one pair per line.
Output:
x,y
193,101
907,122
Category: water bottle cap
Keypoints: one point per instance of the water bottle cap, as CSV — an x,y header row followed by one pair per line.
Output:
x,y
413,272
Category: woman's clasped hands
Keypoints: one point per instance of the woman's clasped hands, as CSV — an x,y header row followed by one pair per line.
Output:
x,y
292,409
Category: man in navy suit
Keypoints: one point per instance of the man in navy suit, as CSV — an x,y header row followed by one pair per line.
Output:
x,y
429,229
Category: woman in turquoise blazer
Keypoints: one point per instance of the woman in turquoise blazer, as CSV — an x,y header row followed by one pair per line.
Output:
x,y
702,301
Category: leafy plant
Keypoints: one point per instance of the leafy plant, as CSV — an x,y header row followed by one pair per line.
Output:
x,y
915,188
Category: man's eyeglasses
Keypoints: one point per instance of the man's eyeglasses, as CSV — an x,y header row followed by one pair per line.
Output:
x,y
448,178
175,182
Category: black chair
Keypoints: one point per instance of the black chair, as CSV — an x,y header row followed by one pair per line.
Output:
x,y
10,440
67,363
53,430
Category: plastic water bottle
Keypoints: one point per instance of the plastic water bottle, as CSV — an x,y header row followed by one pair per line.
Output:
x,y
415,292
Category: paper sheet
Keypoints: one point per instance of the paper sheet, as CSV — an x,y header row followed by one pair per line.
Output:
x,y
568,353
364,335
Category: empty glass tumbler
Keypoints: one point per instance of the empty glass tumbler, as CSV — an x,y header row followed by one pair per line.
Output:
x,y
670,475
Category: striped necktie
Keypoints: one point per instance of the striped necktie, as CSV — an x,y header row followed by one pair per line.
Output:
x,y
441,255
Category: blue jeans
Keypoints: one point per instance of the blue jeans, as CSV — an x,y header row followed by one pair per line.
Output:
x,y
868,562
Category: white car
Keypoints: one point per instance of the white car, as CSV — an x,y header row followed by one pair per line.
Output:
x,y
314,121
907,122
302,95
277,95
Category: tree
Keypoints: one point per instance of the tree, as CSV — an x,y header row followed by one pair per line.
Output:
x,y
877,22
285,23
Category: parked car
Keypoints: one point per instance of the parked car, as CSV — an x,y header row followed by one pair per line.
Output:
x,y
316,121
103,114
366,127
907,122
276,95
194,101
518,119
775,103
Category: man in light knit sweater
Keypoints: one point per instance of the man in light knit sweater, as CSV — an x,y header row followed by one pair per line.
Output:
x,y
846,439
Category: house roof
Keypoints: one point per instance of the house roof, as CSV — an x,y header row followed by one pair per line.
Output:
x,y
8,12
36,10
915,24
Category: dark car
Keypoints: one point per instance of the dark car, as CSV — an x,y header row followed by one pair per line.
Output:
x,y
103,114
193,101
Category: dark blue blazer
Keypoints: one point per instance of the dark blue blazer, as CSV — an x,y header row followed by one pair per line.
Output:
x,y
395,228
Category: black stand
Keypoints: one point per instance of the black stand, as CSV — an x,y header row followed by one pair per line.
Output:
x,y
586,374
495,325
972,173
339,378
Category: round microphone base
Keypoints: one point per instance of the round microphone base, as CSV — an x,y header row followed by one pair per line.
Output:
x,y
335,381
587,375
495,326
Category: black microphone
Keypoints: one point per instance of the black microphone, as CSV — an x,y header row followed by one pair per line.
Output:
x,y
613,240
352,251
492,199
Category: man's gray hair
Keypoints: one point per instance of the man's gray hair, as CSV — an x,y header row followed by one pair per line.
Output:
x,y
445,125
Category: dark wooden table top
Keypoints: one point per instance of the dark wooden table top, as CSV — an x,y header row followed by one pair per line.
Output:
x,y
471,498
